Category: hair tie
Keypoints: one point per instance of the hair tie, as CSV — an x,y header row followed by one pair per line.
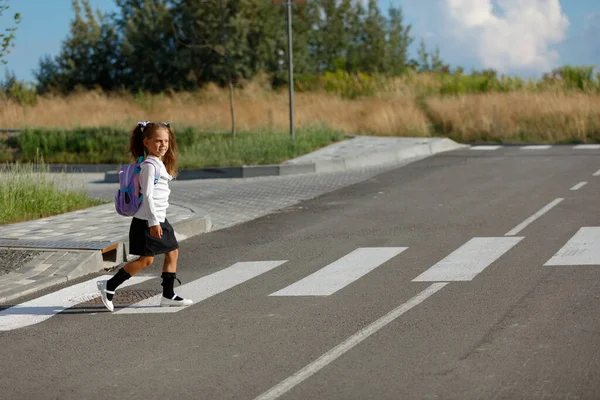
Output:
x,y
143,124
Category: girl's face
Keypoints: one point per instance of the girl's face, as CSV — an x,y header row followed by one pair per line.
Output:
x,y
157,144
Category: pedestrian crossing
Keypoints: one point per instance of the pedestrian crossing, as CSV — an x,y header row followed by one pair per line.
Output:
x,y
463,264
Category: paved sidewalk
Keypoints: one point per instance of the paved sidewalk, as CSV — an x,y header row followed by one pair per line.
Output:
x,y
209,204
71,245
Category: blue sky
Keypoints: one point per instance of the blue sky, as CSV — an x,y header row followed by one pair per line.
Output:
x,y
524,37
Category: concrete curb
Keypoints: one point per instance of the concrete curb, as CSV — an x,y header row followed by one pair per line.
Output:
x,y
44,272
391,157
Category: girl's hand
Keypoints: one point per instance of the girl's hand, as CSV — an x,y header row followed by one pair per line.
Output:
x,y
156,231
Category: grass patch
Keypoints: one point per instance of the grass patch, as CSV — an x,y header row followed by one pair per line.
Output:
x,y
248,148
196,149
28,192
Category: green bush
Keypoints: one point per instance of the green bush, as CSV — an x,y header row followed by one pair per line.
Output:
x,y
570,77
21,92
81,145
342,83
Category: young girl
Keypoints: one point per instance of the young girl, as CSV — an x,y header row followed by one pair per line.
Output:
x,y
150,233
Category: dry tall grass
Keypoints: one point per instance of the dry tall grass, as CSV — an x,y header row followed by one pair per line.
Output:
x,y
534,117
519,116
209,110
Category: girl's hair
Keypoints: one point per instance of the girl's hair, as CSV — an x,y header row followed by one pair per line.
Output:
x,y
147,130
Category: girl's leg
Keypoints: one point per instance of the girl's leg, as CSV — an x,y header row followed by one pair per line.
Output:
x,y
170,264
169,276
127,272
136,266
107,288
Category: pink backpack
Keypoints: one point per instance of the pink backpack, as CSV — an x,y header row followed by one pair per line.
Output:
x,y
128,199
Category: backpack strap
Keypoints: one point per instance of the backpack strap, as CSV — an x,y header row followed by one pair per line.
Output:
x,y
156,168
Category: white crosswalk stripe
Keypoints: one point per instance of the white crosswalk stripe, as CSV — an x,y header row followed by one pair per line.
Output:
x,y
581,249
486,147
468,260
536,147
491,147
205,287
40,309
341,272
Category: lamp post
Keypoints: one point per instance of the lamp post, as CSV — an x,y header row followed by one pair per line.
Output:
x,y
288,4
290,66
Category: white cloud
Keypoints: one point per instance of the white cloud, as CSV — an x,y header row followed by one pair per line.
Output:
x,y
507,35
519,36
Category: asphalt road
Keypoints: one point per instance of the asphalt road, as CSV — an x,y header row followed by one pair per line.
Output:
x,y
513,329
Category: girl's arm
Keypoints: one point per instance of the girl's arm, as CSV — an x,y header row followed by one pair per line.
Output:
x,y
147,187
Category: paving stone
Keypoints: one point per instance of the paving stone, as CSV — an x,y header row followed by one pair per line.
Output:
x,y
32,286
54,257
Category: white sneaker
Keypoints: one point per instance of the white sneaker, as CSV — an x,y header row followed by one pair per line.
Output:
x,y
102,288
165,302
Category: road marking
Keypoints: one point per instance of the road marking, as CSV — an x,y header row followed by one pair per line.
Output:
x,y
205,287
582,249
40,309
533,217
485,147
339,350
596,173
341,272
578,186
536,147
464,263
586,146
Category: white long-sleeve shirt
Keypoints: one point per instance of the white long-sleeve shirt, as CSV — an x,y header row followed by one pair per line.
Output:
x,y
156,196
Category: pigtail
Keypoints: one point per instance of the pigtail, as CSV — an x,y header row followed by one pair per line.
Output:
x,y
136,142
170,157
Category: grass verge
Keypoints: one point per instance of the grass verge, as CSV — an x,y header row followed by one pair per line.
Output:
x,y
28,192
196,149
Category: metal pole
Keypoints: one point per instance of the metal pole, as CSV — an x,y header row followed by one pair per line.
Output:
x,y
290,66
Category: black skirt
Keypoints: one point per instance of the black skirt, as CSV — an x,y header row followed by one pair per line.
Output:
x,y
141,243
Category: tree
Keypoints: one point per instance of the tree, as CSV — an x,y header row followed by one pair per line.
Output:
x,y
399,40
7,37
431,62
149,52
373,44
89,56
192,33
423,60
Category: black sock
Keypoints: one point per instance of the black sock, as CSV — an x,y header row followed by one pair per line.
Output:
x,y
113,283
167,284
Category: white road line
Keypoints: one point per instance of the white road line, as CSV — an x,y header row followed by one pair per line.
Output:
x,y
596,173
578,186
533,217
536,147
485,147
582,249
40,309
342,348
341,272
205,287
586,146
464,263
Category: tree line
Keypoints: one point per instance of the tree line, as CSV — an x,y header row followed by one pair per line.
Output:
x,y
161,45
